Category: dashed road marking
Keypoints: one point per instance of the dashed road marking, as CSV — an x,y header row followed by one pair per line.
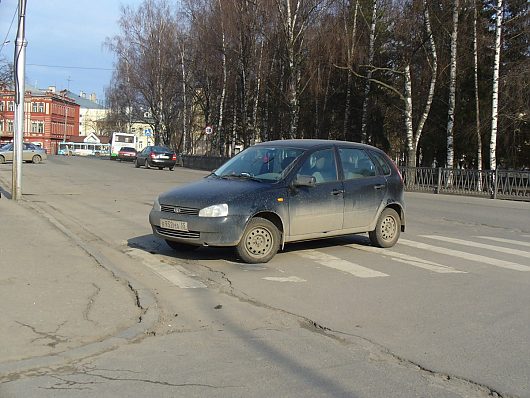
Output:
x,y
294,279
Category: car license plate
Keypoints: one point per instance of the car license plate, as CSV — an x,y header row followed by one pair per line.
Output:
x,y
164,157
174,225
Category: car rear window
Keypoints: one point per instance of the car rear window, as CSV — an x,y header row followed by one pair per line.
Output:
x,y
383,162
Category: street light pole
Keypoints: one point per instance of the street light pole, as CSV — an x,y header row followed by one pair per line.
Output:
x,y
20,69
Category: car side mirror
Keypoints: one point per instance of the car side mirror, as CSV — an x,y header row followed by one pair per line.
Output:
x,y
304,181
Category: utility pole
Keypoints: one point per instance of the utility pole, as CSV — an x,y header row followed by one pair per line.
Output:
x,y
20,69
66,108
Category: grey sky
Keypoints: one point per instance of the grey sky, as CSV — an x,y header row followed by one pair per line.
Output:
x,y
67,36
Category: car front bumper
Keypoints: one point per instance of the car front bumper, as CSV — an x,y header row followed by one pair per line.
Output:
x,y
201,231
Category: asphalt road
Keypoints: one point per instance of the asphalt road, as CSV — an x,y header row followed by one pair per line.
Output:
x,y
442,314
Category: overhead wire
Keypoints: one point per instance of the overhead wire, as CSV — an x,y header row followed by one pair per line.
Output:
x,y
9,30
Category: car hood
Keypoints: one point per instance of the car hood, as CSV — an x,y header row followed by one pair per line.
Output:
x,y
211,191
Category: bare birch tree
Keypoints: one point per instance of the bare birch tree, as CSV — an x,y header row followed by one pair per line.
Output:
x,y
495,91
452,87
351,38
475,78
371,54
294,17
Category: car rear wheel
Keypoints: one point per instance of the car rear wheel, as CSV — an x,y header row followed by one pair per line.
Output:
x,y
2,159
160,168
260,241
181,247
136,164
36,159
170,168
387,230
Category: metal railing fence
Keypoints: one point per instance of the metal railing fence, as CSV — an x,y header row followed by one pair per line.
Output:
x,y
495,184
501,184
203,162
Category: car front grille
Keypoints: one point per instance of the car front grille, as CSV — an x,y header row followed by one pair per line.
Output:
x,y
178,234
179,210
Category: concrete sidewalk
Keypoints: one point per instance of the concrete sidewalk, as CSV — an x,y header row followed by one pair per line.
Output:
x,y
54,297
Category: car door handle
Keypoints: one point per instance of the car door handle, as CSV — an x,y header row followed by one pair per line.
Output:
x,y
337,192
379,186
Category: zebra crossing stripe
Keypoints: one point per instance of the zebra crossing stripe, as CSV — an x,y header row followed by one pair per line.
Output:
x,y
501,240
500,249
466,256
340,264
406,259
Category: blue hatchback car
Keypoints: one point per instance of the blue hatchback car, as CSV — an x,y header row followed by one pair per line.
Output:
x,y
285,191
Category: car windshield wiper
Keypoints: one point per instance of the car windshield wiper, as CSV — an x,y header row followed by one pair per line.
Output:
x,y
243,176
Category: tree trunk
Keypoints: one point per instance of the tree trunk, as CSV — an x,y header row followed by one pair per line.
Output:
x,y
434,67
477,100
411,147
223,90
347,107
495,95
257,134
452,88
184,103
364,123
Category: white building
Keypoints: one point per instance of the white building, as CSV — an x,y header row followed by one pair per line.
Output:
x,y
90,113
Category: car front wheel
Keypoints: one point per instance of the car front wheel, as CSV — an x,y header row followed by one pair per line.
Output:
x,y
2,159
36,159
387,229
260,241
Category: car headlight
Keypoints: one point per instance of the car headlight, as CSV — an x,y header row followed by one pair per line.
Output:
x,y
156,205
214,211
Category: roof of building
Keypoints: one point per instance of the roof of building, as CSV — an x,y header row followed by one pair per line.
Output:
x,y
84,102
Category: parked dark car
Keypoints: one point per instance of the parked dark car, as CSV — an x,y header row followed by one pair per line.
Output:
x,y
285,191
156,156
127,153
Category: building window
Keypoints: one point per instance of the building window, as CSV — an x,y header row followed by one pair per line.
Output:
x,y
37,107
10,127
11,106
1,106
1,125
37,127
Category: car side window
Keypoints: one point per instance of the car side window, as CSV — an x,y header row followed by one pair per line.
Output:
x,y
382,162
356,163
321,165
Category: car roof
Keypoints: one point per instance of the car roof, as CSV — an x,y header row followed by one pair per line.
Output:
x,y
313,143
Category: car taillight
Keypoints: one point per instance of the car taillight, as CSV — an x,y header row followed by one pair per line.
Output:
x,y
152,155
174,157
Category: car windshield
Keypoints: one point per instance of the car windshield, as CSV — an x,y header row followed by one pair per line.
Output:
x,y
263,163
